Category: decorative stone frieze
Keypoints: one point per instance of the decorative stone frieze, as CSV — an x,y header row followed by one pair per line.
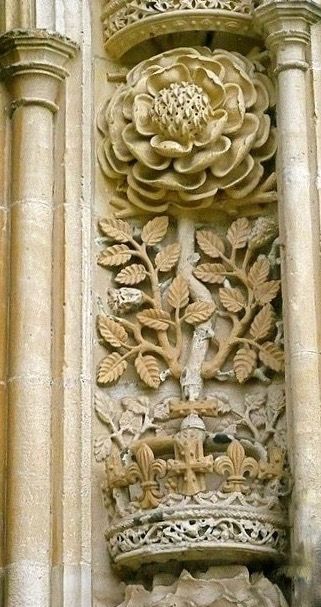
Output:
x,y
218,587
188,129
129,22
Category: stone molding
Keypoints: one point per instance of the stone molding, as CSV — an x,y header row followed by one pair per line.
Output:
x,y
127,23
287,21
32,62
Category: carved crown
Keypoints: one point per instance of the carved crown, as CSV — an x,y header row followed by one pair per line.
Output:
x,y
129,22
177,489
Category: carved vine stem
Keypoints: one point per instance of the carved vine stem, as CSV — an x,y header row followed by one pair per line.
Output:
x,y
191,378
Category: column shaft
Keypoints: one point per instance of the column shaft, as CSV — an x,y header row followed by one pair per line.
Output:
x,y
29,498
33,66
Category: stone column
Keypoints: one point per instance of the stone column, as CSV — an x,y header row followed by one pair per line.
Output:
x,y
32,63
287,25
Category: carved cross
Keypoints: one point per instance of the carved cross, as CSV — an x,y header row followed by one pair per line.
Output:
x,y
190,465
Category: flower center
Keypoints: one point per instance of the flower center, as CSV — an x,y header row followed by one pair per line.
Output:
x,y
181,111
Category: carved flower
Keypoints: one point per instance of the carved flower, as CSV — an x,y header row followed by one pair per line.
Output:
x,y
219,587
187,125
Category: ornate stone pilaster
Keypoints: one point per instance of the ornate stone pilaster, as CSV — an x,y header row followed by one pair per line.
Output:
x,y
33,66
287,27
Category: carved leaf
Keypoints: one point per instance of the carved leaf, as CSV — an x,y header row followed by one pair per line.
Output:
x,y
244,364
232,299
266,292
112,332
272,356
132,275
114,256
198,312
116,229
263,323
104,409
102,448
214,273
154,319
178,293
154,230
111,368
238,233
166,259
259,271
148,371
211,244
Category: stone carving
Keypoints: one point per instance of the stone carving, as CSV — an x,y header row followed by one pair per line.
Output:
x,y
237,268
189,129
237,465
218,587
128,23
194,496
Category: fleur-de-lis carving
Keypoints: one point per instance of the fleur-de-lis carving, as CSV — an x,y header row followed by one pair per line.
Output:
x,y
146,470
239,468
274,467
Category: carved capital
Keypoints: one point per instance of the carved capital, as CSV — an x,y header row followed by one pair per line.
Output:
x,y
287,21
33,64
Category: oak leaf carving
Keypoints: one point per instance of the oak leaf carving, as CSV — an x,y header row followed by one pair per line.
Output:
x,y
259,271
154,319
263,323
238,233
178,293
244,364
213,273
197,312
132,275
167,258
211,244
115,255
148,370
266,292
116,229
272,356
155,230
111,368
232,299
112,332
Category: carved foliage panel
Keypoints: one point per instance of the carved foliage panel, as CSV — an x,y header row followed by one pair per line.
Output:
x,y
190,371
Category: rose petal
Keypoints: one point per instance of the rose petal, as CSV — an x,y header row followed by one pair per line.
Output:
x,y
248,183
170,148
209,188
145,190
210,84
193,63
213,130
269,148
235,74
141,114
235,107
140,148
146,204
168,179
202,159
117,165
263,131
262,102
165,76
236,175
240,147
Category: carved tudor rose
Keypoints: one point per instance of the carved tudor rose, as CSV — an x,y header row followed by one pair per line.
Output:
x,y
187,127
